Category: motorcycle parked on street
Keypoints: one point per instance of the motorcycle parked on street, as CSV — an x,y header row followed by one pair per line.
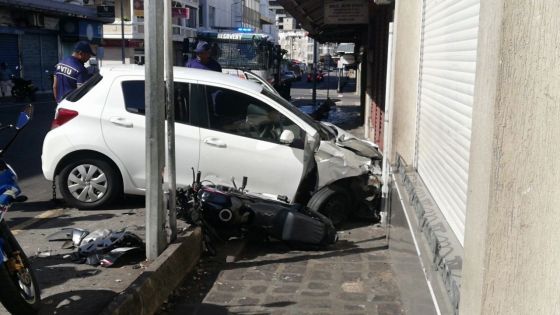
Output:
x,y
224,212
22,89
19,292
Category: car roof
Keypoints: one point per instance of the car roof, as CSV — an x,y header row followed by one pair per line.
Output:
x,y
187,74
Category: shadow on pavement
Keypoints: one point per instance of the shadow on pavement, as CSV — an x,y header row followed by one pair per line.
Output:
x,y
68,220
54,270
340,249
76,302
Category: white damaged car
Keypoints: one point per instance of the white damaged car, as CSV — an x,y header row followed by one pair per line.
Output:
x,y
225,128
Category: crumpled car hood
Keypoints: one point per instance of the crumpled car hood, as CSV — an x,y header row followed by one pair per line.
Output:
x,y
359,146
335,162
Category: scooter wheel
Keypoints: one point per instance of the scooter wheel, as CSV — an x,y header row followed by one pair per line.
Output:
x,y
20,292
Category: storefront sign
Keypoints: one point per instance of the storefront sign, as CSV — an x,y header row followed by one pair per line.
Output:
x,y
346,11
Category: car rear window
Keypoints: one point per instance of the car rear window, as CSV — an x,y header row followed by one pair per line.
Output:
x,y
78,93
133,92
135,102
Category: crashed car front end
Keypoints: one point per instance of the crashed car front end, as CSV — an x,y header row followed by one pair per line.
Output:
x,y
350,167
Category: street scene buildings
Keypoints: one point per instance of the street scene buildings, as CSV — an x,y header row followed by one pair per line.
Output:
x,y
455,103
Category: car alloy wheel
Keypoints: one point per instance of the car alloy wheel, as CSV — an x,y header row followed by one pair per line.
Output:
x,y
89,183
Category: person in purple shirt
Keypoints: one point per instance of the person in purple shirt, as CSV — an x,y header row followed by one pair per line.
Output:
x,y
70,72
203,59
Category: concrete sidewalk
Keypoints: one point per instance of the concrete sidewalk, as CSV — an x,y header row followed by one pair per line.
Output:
x,y
71,288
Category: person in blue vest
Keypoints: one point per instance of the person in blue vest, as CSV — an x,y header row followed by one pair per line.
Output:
x,y
70,72
203,59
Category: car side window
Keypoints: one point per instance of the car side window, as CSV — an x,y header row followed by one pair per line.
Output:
x,y
134,101
243,115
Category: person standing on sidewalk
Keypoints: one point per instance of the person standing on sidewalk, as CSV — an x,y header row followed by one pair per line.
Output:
x,y
203,59
70,72
5,80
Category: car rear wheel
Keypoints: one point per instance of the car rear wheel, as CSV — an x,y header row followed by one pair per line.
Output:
x,y
332,203
89,183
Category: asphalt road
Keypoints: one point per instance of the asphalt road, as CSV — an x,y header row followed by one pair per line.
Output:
x,y
25,157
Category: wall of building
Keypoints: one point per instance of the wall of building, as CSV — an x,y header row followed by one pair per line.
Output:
x,y
113,56
295,42
512,234
408,26
223,13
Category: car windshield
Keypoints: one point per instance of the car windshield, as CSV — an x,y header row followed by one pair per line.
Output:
x,y
322,130
255,78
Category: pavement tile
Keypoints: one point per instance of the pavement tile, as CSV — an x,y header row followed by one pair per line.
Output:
x,y
321,275
353,297
258,289
286,289
219,297
315,293
291,277
315,303
390,309
318,285
229,286
248,301
352,276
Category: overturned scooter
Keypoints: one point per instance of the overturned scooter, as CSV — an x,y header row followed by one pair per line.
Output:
x,y
226,212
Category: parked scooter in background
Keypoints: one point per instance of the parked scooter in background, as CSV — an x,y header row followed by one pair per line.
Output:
x,y
225,212
19,292
23,89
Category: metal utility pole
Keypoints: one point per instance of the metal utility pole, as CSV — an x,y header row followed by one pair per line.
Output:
x,y
328,73
155,121
314,95
122,31
168,48
339,79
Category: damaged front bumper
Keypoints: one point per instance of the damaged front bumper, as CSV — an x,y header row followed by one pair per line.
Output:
x,y
353,166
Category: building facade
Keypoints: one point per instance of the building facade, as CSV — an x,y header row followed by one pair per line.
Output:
x,y
185,21
34,35
215,14
189,17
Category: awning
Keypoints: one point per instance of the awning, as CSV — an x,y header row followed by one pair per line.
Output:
x,y
56,8
311,15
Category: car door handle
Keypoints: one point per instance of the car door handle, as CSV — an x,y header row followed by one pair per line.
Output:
x,y
119,121
215,142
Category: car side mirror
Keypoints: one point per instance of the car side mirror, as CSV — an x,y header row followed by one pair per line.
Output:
x,y
287,137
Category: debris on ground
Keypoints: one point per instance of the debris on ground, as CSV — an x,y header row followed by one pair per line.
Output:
x,y
101,247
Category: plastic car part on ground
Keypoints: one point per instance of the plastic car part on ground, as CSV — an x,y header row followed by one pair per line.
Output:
x,y
101,246
72,236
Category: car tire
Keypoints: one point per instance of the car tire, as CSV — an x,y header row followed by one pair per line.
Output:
x,y
332,203
89,183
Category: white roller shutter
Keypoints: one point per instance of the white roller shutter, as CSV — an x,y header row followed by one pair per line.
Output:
x,y
448,65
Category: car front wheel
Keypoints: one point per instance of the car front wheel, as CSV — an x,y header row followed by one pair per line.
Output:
x,y
89,183
332,203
